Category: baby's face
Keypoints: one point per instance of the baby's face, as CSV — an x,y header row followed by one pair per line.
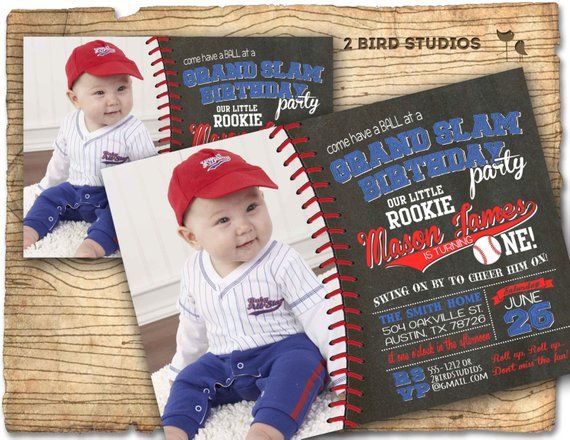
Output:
x,y
232,229
104,99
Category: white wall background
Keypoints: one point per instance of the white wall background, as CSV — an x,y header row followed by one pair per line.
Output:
x,y
45,84
152,251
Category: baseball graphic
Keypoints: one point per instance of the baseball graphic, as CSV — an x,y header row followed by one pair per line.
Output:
x,y
487,250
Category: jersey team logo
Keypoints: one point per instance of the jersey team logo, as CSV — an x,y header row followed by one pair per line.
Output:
x,y
103,50
259,306
109,157
214,162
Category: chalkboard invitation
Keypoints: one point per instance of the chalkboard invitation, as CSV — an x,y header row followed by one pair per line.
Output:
x,y
447,243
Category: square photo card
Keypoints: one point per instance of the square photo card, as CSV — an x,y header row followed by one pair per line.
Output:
x,y
92,103
229,262
89,104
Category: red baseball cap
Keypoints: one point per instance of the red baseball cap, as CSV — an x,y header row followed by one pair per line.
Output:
x,y
210,174
99,58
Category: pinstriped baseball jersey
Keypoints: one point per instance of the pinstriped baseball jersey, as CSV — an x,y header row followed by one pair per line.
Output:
x,y
79,155
257,304
263,301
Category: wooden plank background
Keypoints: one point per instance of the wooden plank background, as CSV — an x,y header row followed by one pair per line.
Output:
x,y
72,351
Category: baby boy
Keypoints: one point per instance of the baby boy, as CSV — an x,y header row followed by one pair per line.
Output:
x,y
101,132
253,316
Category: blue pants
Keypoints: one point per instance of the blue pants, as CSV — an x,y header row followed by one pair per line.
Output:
x,y
284,378
68,202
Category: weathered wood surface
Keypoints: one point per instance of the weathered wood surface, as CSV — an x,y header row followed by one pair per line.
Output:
x,y
72,351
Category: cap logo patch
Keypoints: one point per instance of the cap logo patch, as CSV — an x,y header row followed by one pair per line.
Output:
x,y
103,50
214,162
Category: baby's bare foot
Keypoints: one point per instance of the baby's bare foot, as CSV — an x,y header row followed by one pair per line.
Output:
x,y
30,236
174,433
262,431
89,249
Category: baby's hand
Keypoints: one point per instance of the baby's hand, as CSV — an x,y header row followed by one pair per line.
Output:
x,y
170,382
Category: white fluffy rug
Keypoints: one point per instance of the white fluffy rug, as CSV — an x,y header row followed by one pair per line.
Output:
x,y
232,421
63,241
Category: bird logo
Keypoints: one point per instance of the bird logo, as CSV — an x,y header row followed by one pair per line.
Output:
x,y
519,47
508,36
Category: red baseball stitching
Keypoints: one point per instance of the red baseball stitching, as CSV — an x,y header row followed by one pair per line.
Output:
x,y
493,245
334,261
478,249
170,93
